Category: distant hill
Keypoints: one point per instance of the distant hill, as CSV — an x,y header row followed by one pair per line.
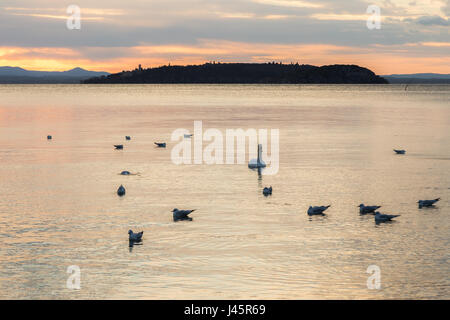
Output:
x,y
20,75
419,78
244,73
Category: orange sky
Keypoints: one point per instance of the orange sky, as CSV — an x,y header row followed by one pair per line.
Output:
x,y
380,60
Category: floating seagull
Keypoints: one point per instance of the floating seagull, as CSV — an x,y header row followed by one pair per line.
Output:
x,y
121,191
317,210
427,203
128,173
267,191
118,146
399,151
258,162
127,138
49,137
384,217
135,236
367,209
188,135
160,144
181,214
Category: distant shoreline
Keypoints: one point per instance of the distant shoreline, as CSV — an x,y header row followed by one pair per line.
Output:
x,y
398,84
397,80
222,73
244,73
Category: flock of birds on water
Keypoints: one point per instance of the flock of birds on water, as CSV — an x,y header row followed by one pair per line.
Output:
x,y
183,215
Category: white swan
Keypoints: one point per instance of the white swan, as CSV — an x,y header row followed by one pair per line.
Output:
x,y
257,163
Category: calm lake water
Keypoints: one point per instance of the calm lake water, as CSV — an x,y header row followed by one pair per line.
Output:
x,y
59,207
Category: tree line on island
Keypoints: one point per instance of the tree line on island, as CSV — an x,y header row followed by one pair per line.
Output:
x,y
245,73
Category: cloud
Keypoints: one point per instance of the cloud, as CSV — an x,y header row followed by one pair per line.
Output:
x,y
432,21
88,14
53,16
383,59
436,44
120,34
446,8
290,3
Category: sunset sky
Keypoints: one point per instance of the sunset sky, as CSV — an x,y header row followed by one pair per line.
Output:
x,y
118,35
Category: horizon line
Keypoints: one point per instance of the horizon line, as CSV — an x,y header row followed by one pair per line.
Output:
x,y
214,62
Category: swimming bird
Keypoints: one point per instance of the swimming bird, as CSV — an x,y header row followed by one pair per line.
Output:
x,y
160,144
127,138
125,173
379,217
367,209
399,151
118,146
258,162
121,191
427,203
267,191
135,236
181,214
317,210
49,137
188,135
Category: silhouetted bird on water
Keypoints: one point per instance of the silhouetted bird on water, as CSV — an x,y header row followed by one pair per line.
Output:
x,y
367,209
125,173
181,214
136,237
121,191
267,191
127,137
399,151
49,137
160,144
384,217
118,146
317,210
427,203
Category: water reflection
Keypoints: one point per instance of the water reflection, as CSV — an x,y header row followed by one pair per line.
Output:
x,y
132,243
335,147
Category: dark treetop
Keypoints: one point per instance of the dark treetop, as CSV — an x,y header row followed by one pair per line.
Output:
x,y
244,73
